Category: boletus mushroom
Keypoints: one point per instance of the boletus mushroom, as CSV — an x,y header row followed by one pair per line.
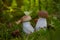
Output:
x,y
27,27
42,21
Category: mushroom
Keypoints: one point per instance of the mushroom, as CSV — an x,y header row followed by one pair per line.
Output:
x,y
27,27
42,22
15,33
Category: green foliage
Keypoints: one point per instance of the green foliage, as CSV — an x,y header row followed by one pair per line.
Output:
x,y
13,10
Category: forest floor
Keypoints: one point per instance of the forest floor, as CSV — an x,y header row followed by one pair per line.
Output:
x,y
5,33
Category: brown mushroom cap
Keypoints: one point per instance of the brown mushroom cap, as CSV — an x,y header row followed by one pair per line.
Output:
x,y
15,33
43,14
26,18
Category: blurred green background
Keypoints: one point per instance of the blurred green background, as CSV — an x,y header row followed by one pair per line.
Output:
x,y
13,10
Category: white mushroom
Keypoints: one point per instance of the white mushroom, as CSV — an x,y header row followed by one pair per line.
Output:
x,y
27,27
42,22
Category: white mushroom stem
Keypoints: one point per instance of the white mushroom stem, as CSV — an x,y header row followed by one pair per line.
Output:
x,y
27,28
41,23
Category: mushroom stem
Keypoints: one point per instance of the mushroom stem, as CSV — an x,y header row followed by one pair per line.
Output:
x,y
27,28
41,23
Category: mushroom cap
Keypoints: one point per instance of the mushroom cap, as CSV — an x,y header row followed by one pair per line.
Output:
x,y
26,18
43,14
15,33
